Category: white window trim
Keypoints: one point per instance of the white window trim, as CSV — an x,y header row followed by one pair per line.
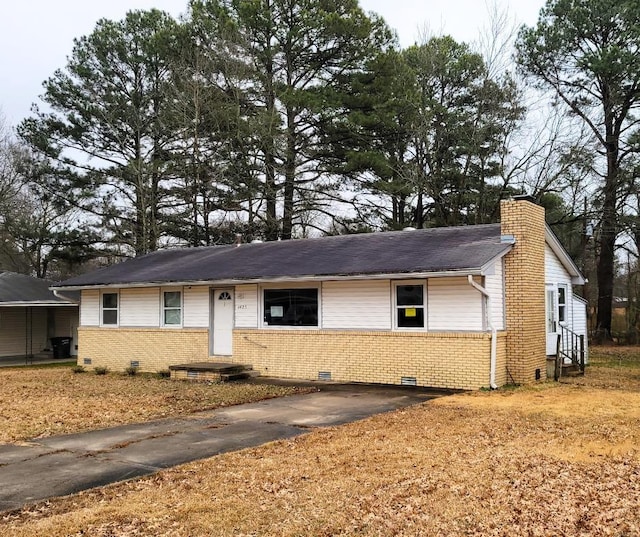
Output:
x,y
564,322
117,309
310,285
394,302
164,290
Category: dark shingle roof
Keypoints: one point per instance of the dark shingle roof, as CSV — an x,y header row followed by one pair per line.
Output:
x,y
19,288
397,252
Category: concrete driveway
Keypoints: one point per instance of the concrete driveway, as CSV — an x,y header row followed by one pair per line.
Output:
x,y
61,465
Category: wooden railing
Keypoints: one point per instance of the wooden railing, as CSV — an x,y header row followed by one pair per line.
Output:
x,y
570,346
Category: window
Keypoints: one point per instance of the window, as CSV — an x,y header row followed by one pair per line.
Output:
x,y
109,308
171,308
562,303
551,311
291,307
410,306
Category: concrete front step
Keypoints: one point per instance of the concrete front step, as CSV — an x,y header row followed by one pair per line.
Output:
x,y
571,370
227,377
211,371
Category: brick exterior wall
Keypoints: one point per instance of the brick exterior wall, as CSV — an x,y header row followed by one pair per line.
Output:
x,y
524,290
156,349
457,360
437,359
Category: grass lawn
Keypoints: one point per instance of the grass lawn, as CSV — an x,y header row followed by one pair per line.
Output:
x,y
47,400
551,459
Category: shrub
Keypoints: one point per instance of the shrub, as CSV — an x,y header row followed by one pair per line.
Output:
x,y
100,370
78,369
164,374
131,370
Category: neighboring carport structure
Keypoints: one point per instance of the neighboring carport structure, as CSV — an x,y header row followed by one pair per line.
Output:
x,y
31,315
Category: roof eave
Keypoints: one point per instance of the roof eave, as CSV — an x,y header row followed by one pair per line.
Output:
x,y
40,304
487,268
474,271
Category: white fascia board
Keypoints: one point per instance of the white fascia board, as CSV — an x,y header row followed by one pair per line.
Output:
x,y
336,277
488,266
576,276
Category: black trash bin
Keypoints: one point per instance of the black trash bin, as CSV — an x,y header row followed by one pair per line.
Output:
x,y
61,347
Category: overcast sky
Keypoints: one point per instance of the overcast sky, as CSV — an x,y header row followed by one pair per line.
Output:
x,y
36,36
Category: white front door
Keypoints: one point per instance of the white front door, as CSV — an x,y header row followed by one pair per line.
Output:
x,y
552,321
221,329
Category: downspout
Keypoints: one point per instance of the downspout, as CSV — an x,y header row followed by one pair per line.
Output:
x,y
494,336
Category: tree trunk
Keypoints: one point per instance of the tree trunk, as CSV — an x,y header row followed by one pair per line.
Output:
x,y
289,176
270,187
608,234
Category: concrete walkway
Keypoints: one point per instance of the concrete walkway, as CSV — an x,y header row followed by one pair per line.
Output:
x,y
61,465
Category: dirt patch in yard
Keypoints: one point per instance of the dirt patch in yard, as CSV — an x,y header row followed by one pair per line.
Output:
x,y
544,460
43,402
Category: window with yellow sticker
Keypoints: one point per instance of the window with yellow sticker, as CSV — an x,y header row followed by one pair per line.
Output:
x,y
410,306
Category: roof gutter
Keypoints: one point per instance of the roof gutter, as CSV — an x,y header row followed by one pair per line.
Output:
x,y
311,278
56,293
494,335
27,304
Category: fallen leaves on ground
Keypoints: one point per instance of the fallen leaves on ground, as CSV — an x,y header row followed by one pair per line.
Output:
x,y
43,402
548,460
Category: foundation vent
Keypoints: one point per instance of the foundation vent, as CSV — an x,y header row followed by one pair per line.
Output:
x,y
135,363
408,381
86,361
324,375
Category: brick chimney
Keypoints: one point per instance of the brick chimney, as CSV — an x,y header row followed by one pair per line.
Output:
x,y
525,289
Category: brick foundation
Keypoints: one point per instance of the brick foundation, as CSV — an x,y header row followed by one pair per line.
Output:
x,y
156,349
457,360
438,359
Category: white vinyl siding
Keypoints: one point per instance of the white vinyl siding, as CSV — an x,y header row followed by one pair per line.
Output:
x,y
66,325
246,314
494,284
65,320
579,315
39,333
90,308
452,304
555,273
364,305
196,307
14,335
12,331
140,307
